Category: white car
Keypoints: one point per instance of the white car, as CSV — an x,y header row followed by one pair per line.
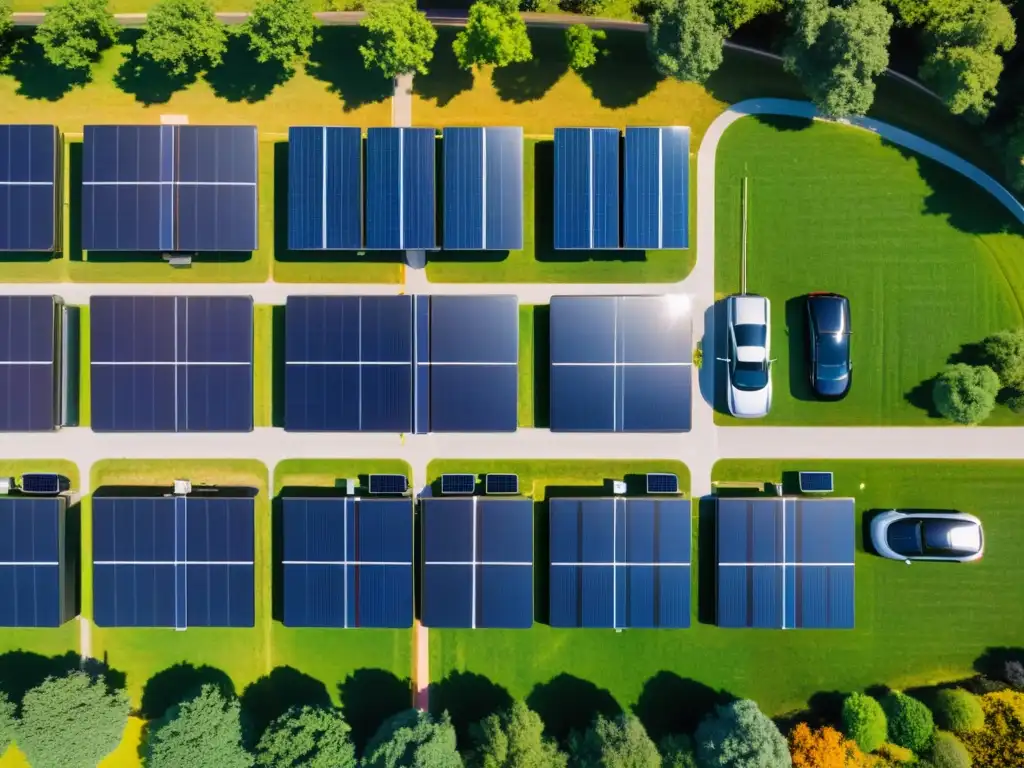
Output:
x,y
919,534
749,363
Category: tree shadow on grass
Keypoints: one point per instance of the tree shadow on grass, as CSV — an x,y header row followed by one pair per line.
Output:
x,y
567,703
180,683
446,79
21,671
531,80
922,396
334,59
823,709
38,78
272,695
368,698
670,704
147,81
240,77
622,74
468,698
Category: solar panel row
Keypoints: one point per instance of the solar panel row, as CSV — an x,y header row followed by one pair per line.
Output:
x,y
400,189
586,188
28,187
32,569
325,188
656,188
28,363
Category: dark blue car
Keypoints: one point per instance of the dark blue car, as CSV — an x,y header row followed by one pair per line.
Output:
x,y
828,321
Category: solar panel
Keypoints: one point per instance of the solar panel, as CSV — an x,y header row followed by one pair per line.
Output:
x,y
656,189
169,188
785,563
662,482
586,188
41,483
388,484
325,188
400,189
477,563
176,561
620,563
458,484
349,363
348,562
483,188
498,483
28,364
815,482
35,590
28,187
171,364
620,363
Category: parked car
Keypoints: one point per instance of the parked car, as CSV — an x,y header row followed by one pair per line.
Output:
x,y
749,364
917,534
828,323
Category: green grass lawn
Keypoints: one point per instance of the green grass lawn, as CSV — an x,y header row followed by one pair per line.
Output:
x,y
931,264
526,361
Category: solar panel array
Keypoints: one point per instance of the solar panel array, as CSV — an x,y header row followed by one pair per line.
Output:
x,y
662,482
477,563
388,484
171,364
325,188
32,586
483,188
815,482
348,562
586,188
28,370
43,483
501,483
656,188
28,188
169,188
620,563
458,484
400,189
620,363
173,562
786,563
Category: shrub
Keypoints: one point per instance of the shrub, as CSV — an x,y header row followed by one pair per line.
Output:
x,y
894,754
739,734
1001,743
1004,354
958,710
1013,671
910,721
966,394
823,748
949,752
864,721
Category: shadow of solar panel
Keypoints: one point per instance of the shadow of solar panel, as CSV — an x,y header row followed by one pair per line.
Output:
x,y
28,383
388,484
662,482
498,483
33,581
656,188
28,187
325,188
453,484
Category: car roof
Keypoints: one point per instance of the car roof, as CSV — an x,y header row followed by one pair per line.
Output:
x,y
749,309
828,311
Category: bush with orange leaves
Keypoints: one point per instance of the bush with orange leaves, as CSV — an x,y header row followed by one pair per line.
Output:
x,y
823,748
1000,744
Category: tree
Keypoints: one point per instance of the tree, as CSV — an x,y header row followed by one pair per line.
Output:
x,y
280,30
966,394
837,51
1004,354
949,752
677,752
73,32
71,721
514,739
823,748
964,78
183,36
401,39
910,721
685,39
958,710
620,742
202,732
8,723
413,739
733,14
1001,743
580,40
864,721
985,25
495,34
739,735
307,737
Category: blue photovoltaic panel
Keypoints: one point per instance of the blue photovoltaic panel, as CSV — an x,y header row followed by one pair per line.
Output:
x,y
662,482
28,189
31,538
173,562
458,484
400,189
171,364
500,483
41,483
815,482
656,189
389,484
785,563
28,384
325,188
349,363
483,188
477,563
348,562
586,188
620,563
620,363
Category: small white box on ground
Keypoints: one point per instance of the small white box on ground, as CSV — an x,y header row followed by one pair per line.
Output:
x,y
619,487
7,485
182,487
350,486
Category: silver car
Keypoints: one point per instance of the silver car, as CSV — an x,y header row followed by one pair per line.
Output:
x,y
749,364
934,534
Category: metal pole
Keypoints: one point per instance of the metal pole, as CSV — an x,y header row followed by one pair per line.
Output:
x,y
743,245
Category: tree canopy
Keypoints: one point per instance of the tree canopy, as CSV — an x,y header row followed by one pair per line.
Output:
x,y
280,30
6,34
183,36
958,710
964,78
965,394
677,751
495,34
71,721
203,732
307,737
823,748
685,39
735,13
400,38
514,738
910,721
837,51
864,721
739,735
1004,354
580,40
73,32
620,742
413,739
949,752
7,722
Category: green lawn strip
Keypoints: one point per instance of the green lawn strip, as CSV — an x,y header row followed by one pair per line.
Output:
x,y
526,358
930,262
263,364
241,654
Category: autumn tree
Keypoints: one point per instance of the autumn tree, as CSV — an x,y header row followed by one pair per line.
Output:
x,y
823,748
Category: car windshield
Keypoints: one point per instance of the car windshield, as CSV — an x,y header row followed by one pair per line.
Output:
x,y
904,536
832,354
748,335
749,376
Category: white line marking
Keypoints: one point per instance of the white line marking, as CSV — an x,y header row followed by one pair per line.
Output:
x,y
605,365
661,199
483,186
26,183
345,534
349,362
474,562
172,562
401,189
473,575
168,184
590,180
175,384
347,562
781,565
783,622
323,197
26,362
464,363
171,363
625,565
19,563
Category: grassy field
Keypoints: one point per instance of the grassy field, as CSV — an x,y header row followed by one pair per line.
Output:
x,y
931,264
526,362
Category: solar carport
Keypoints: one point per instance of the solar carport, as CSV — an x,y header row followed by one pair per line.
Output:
x,y
400,189
29,188
31,364
325,188
785,563
656,188
586,188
